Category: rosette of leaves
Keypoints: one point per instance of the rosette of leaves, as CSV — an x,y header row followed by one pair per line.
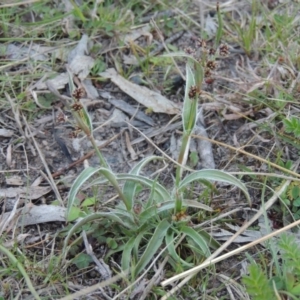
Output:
x,y
142,229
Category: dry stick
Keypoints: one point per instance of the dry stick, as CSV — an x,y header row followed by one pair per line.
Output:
x,y
104,271
190,273
102,268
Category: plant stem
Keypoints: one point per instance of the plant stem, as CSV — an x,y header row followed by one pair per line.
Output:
x,y
181,160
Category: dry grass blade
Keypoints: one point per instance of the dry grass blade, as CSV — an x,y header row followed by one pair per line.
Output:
x,y
19,3
130,149
233,285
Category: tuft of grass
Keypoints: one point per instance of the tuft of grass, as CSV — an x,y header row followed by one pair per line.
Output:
x,y
141,231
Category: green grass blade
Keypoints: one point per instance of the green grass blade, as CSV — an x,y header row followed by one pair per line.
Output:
x,y
197,238
112,178
214,244
161,192
126,255
189,111
129,188
215,175
79,181
220,27
172,250
153,245
151,199
196,204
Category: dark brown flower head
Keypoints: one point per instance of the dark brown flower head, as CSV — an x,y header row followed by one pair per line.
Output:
x,y
78,93
211,64
77,106
281,60
193,91
211,51
223,50
201,43
190,50
209,80
207,73
61,118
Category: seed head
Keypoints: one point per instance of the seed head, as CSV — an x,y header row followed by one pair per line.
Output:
x,y
209,80
207,73
201,43
61,118
77,107
223,50
190,50
78,93
211,51
193,91
211,65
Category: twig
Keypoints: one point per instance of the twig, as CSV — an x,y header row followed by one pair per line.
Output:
x,y
104,271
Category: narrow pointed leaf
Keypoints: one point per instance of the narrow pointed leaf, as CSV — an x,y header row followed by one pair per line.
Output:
x,y
172,250
129,188
215,175
193,203
153,245
79,181
159,189
126,255
197,238
220,27
189,111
